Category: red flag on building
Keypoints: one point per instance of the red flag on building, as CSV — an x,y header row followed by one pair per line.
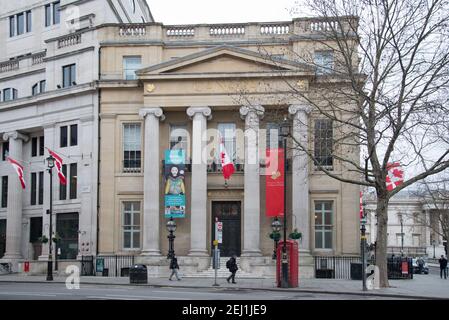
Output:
x,y
395,176
274,191
226,164
19,170
361,205
58,165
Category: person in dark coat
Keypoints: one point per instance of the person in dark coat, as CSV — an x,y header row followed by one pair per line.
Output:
x,y
174,268
443,266
231,264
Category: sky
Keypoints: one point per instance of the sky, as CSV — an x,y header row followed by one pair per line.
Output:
x,y
221,11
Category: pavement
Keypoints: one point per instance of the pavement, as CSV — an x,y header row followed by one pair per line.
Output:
x,y
420,287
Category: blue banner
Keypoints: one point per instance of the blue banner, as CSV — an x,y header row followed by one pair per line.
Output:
x,y
175,198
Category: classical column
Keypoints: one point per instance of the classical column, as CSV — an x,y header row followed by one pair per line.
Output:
x,y
151,212
198,207
14,211
300,174
251,207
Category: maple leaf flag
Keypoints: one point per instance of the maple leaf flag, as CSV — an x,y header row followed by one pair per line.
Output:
x,y
19,170
395,175
226,163
58,165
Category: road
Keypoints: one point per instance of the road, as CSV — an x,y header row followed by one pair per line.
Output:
x,y
58,291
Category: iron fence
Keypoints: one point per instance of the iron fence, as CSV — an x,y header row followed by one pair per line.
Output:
x,y
116,265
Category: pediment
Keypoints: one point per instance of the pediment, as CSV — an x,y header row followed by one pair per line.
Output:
x,y
221,60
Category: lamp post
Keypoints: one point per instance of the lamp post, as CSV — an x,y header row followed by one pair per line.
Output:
x,y
363,246
433,243
284,132
402,236
276,226
50,164
171,227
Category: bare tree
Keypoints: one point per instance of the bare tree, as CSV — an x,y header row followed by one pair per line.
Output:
x,y
384,90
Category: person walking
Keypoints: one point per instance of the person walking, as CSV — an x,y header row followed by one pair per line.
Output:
x,y
231,264
174,268
443,266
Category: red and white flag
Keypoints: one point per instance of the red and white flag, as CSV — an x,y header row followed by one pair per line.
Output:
x,y
19,170
395,176
58,165
226,163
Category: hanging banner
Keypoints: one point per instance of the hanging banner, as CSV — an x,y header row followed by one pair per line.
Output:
x,y
274,191
175,198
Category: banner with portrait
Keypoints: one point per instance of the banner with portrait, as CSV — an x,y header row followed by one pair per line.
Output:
x,y
174,190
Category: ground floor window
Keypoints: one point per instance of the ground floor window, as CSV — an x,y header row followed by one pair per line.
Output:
x,y
67,226
323,224
131,225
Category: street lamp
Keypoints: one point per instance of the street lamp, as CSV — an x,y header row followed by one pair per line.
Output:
x,y
402,235
276,226
50,164
433,243
171,227
363,245
284,132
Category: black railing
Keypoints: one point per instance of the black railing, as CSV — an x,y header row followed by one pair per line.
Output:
x,y
116,265
87,266
132,166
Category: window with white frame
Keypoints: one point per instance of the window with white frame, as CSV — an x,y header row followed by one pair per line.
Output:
x,y
132,147
324,62
38,88
178,137
10,94
323,143
227,133
52,13
274,139
131,225
20,23
323,224
130,65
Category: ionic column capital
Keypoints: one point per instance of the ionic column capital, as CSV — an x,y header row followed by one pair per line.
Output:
x,y
155,111
205,111
299,108
15,135
251,110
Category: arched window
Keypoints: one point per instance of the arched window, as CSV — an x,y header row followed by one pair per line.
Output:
x,y
9,94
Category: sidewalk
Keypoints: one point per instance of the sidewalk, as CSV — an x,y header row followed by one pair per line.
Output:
x,y
421,287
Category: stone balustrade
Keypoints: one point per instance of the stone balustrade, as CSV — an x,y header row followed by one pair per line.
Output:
x,y
180,31
132,30
275,29
227,30
38,58
69,40
9,66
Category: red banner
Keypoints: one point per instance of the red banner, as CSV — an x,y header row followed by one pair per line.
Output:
x,y
274,173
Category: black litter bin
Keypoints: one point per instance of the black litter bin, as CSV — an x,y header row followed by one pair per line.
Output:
x,y
138,274
356,271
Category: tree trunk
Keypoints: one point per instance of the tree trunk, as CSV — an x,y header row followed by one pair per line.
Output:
x,y
381,244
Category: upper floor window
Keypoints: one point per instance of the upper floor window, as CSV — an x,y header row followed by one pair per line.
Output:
x,y
52,13
131,225
69,75
4,187
5,150
324,62
37,146
9,94
274,139
130,65
227,133
323,142
20,23
37,188
132,154
65,136
38,87
178,137
72,182
323,224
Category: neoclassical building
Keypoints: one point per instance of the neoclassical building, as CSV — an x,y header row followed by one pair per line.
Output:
x,y
181,87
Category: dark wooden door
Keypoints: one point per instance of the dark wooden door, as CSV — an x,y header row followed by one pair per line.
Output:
x,y
229,213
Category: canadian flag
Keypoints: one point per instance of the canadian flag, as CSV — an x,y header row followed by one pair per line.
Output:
x,y
19,169
58,164
395,175
226,163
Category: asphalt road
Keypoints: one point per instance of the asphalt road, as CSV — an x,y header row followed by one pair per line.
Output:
x,y
58,291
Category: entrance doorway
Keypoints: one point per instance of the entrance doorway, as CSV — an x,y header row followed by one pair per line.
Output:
x,y
229,213
67,226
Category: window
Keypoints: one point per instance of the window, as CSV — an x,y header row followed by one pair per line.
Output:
x,y
37,188
178,137
324,62
42,86
37,146
41,145
64,137
48,15
9,94
73,135
35,229
41,188
399,239
227,133
130,65
131,225
67,227
416,238
20,23
34,146
4,203
38,87
73,180
274,139
68,75
323,224
34,90
323,142
33,188
5,150
12,26
28,14
63,188
131,147
52,14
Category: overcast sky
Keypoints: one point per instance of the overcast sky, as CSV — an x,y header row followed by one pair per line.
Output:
x,y
220,11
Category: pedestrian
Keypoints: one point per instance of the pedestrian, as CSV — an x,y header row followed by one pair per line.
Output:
x,y
231,264
443,266
174,268
420,265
